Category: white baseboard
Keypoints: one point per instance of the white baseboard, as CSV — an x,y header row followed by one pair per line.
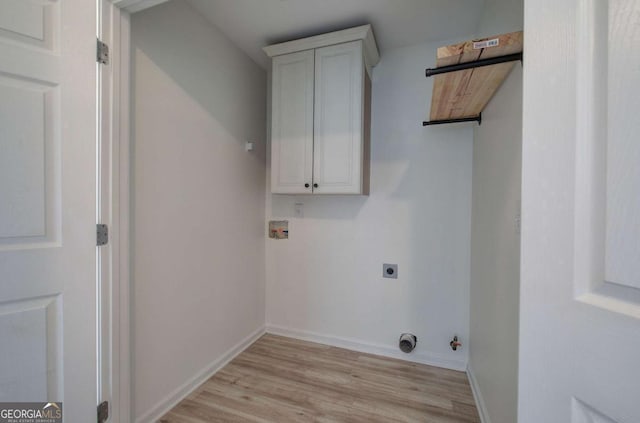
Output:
x,y
171,400
432,359
477,395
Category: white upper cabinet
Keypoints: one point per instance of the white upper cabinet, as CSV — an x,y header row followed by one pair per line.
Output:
x,y
321,106
292,123
338,141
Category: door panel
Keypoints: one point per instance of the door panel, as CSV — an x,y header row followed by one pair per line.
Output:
x,y
30,367
29,152
623,148
607,207
580,301
337,150
47,211
292,123
30,22
22,162
23,18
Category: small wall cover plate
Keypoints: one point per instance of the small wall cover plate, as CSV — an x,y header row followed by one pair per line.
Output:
x,y
390,271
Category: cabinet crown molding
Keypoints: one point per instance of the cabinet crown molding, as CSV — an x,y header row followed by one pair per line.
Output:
x,y
363,32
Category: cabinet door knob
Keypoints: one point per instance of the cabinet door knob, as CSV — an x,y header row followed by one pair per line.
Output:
x,y
306,185
315,185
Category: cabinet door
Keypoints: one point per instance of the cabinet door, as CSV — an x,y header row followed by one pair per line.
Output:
x,y
338,126
292,123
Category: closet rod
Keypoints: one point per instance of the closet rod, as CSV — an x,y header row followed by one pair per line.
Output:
x,y
476,64
457,120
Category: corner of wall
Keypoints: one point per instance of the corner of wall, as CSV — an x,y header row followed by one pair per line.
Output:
x,y
183,391
477,396
493,356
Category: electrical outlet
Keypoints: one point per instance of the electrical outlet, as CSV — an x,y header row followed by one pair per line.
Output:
x,y
390,271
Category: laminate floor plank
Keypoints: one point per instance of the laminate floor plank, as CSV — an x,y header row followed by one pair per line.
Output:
x,y
282,380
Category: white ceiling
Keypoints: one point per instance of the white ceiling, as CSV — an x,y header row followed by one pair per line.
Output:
x,y
253,24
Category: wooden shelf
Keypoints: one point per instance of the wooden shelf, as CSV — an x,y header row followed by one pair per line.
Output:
x,y
463,94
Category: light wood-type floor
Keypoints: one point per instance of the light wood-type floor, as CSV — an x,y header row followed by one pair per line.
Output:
x,y
283,380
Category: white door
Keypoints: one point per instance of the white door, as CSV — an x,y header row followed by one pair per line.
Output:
x,y
48,204
292,123
580,263
338,125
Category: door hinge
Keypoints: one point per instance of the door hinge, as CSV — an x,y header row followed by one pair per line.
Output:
x,y
103,411
102,234
102,55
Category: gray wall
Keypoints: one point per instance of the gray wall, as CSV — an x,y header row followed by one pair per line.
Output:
x,y
495,241
198,201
